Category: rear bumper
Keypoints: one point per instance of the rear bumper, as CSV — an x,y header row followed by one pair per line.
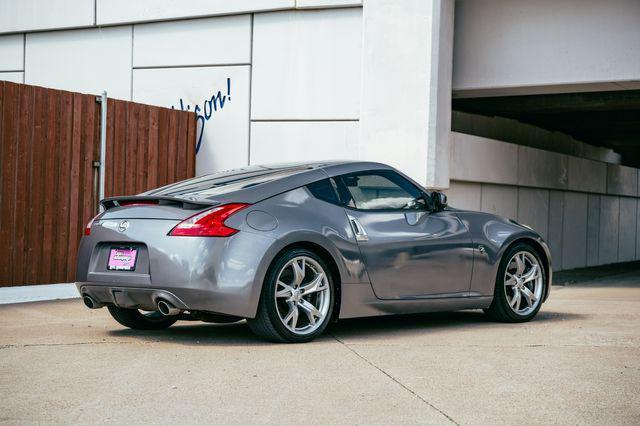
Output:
x,y
131,297
218,275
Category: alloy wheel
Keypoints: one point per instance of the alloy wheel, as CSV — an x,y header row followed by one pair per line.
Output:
x,y
302,295
523,283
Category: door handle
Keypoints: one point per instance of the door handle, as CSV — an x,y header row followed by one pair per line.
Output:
x,y
361,234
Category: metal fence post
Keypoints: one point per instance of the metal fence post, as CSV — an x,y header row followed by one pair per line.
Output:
x,y
103,145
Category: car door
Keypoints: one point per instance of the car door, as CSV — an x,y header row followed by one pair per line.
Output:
x,y
409,251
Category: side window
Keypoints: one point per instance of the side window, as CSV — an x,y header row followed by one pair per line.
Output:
x,y
323,190
379,190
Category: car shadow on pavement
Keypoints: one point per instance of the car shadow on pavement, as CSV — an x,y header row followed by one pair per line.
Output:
x,y
197,333
459,321
239,334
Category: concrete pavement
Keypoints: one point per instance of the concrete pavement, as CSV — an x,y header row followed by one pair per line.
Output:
x,y
578,362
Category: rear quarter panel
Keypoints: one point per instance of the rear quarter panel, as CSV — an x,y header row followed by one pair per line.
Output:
x,y
300,217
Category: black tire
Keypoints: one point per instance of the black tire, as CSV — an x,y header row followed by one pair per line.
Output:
x,y
136,320
267,323
500,309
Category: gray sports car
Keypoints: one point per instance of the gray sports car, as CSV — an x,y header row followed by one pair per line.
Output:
x,y
292,247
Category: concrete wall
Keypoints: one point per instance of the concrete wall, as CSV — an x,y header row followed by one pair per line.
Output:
x,y
586,210
523,46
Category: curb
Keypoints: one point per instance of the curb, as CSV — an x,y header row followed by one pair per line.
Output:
x,y
37,293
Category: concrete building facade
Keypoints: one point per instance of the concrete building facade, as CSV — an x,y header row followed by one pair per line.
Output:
x,y
489,100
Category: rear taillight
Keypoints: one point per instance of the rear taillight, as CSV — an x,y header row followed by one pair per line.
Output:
x,y
87,229
209,223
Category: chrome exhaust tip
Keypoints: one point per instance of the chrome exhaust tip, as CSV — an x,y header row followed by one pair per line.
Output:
x,y
90,302
167,309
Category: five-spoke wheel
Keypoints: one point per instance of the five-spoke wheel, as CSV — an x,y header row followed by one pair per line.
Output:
x,y
523,283
302,295
297,298
520,285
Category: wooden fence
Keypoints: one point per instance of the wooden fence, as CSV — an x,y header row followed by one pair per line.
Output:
x,y
49,146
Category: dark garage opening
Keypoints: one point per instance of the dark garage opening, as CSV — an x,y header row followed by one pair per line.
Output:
x,y
608,119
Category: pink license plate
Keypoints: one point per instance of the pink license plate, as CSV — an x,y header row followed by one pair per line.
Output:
x,y
122,259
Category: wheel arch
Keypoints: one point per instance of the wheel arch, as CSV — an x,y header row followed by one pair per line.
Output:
x,y
328,258
325,254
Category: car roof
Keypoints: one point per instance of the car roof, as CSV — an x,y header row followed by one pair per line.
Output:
x,y
255,183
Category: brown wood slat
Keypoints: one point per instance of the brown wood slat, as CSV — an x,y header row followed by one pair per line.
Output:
x,y
141,145
5,278
131,159
48,196
152,149
74,179
1,142
191,145
172,135
37,177
120,147
64,185
163,132
181,146
109,163
25,132
86,168
8,159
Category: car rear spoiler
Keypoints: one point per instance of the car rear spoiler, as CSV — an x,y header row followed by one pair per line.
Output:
x,y
112,202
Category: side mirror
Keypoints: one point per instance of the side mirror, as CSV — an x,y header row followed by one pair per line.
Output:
x,y
438,201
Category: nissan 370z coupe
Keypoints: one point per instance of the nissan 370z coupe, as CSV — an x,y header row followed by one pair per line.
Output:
x,y
292,247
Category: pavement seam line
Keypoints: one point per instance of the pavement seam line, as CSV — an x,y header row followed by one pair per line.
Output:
x,y
405,387
28,345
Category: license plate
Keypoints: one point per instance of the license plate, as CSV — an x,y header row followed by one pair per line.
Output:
x,y
122,259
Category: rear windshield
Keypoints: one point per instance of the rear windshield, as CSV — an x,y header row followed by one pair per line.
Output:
x,y
227,181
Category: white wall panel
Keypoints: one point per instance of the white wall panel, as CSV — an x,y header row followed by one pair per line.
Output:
x,y
29,15
609,229
622,180
124,11
593,230
273,142
207,41
306,4
478,159
306,64
87,61
638,230
556,216
464,195
574,230
15,77
627,240
533,209
506,43
12,52
500,199
224,130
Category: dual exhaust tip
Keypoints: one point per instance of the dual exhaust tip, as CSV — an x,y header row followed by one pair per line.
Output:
x,y
167,309
91,303
164,307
